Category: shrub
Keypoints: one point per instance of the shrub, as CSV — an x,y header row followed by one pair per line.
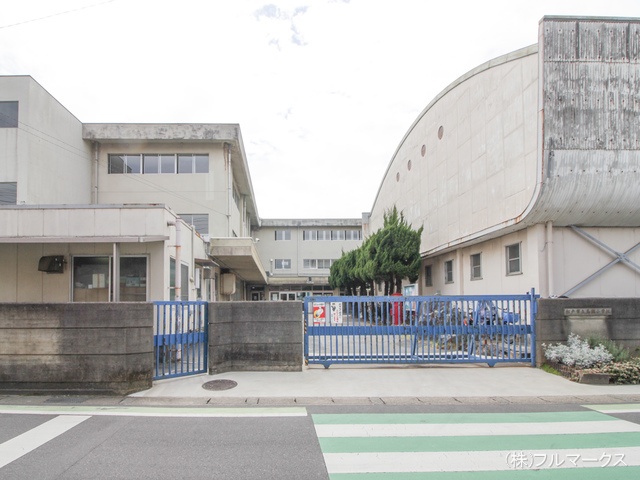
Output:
x,y
623,373
619,353
577,353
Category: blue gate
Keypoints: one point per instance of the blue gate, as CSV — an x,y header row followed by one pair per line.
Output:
x,y
180,338
441,329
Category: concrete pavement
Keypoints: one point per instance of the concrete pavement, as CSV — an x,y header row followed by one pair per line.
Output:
x,y
361,385
356,384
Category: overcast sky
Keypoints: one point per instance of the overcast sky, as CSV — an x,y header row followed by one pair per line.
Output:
x,y
323,90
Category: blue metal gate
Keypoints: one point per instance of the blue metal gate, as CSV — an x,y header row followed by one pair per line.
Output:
x,y
180,338
441,329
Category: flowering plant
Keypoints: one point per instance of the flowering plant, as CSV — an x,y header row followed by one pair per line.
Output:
x,y
577,353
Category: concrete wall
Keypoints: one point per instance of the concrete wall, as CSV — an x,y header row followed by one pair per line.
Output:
x,y
255,336
67,348
468,163
615,318
46,154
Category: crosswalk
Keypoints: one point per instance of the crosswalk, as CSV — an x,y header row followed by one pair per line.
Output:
x,y
67,417
478,446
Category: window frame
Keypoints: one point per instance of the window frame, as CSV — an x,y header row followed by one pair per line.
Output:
x,y
284,264
285,234
428,275
475,269
509,259
7,109
353,235
309,235
199,221
8,193
310,263
448,271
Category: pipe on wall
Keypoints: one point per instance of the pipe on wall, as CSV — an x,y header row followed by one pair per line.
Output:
x,y
549,246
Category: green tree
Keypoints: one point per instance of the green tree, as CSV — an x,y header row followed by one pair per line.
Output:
x,y
389,255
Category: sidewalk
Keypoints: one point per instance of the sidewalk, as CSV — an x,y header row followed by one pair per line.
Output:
x,y
355,384
359,385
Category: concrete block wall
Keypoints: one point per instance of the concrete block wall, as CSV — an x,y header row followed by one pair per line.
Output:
x,y
67,348
256,336
617,319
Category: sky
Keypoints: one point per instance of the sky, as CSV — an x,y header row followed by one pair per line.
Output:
x,y
323,90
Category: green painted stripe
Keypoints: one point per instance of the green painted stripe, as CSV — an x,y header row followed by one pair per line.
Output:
x,y
615,406
406,418
479,443
152,411
619,473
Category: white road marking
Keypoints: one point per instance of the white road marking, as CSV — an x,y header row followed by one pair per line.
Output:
x,y
136,411
473,429
396,462
18,446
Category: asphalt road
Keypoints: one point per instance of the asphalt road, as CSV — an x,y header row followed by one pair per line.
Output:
x,y
76,442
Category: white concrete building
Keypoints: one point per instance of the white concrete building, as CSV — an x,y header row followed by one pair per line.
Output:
x,y
297,255
77,196
524,171
84,204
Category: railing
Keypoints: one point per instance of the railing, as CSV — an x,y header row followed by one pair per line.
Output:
x,y
440,329
180,338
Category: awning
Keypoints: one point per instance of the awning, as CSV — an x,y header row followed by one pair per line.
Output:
x,y
239,256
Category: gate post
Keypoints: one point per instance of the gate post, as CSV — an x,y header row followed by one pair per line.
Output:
x,y
534,312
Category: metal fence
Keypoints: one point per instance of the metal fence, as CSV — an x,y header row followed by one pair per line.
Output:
x,y
180,338
414,329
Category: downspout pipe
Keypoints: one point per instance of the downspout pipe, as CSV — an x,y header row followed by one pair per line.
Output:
x,y
96,169
549,242
178,247
229,188
178,289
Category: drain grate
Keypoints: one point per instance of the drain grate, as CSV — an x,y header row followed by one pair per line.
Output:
x,y
221,384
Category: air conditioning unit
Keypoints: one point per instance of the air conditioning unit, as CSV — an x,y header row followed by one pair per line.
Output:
x,y
51,264
228,283
207,273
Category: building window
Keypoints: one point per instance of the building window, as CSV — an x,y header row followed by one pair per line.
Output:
x,y
324,234
133,279
8,114
236,197
8,193
353,235
282,264
92,279
514,264
325,263
193,163
151,163
428,276
476,267
124,164
448,271
319,263
283,234
200,221
310,235
337,235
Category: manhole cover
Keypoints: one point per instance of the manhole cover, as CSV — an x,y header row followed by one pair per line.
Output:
x,y
219,385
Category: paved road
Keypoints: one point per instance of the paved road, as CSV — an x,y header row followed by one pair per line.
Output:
x,y
340,443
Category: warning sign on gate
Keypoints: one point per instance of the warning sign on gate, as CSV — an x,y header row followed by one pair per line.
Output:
x,y
319,314
336,313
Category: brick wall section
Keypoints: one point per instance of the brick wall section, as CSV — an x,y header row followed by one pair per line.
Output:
x,y
255,336
67,348
622,325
